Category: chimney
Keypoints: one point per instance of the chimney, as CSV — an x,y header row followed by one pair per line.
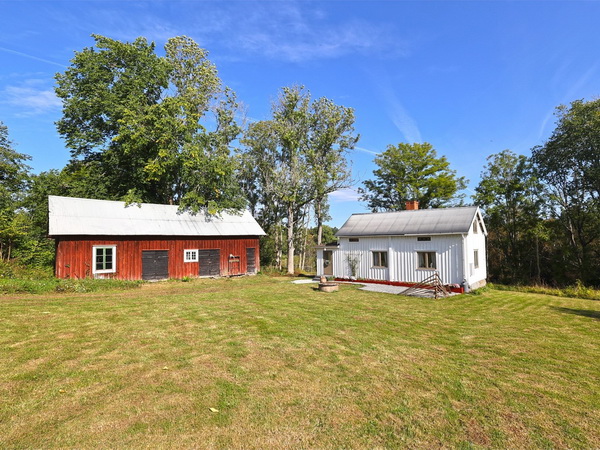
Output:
x,y
411,205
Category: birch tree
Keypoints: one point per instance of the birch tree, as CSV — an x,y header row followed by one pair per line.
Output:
x,y
298,158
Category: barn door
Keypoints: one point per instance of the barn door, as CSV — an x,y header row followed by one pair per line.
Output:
x,y
155,264
250,260
210,263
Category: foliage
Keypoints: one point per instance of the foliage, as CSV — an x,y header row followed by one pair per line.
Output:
x,y
146,128
569,164
48,285
18,277
14,179
295,160
512,200
411,172
353,262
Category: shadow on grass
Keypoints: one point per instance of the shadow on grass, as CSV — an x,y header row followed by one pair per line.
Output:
x,y
579,312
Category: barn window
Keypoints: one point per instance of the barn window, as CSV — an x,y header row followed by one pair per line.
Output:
x,y
424,238
190,255
105,258
426,260
476,259
380,259
353,239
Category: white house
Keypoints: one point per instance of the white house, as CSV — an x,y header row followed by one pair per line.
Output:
x,y
409,246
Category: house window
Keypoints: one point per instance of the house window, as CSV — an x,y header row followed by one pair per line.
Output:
x,y
353,239
105,258
476,259
426,260
424,238
190,255
475,228
380,259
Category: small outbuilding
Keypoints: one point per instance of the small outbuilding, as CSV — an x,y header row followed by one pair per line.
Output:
x,y
107,239
408,247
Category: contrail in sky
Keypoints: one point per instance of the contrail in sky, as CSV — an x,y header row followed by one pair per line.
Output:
x,y
14,52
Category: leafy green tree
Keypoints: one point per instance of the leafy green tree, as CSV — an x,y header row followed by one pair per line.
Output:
x,y
14,179
150,128
512,200
296,159
569,164
277,150
411,172
331,137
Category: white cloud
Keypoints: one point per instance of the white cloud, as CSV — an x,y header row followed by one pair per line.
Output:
x,y
299,34
30,99
345,195
288,31
35,58
395,109
366,150
404,122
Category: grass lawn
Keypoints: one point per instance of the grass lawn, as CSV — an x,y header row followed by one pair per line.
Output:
x,y
259,362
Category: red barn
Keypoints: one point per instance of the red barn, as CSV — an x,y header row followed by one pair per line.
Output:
x,y
106,239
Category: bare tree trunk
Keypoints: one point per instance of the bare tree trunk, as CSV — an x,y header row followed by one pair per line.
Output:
x,y
537,260
278,247
290,240
305,240
319,222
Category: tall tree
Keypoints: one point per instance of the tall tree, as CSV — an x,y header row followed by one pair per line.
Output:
x,y
281,144
411,172
511,197
297,158
14,179
331,137
151,128
569,163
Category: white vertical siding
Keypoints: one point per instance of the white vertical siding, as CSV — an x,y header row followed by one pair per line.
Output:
x,y
447,249
402,258
319,262
475,241
361,250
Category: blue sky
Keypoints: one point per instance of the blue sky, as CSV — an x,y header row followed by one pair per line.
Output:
x,y
471,77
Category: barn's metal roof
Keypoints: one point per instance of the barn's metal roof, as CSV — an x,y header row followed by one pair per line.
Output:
x,y
79,216
413,222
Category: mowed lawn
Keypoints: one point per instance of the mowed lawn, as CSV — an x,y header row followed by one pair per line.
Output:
x,y
259,362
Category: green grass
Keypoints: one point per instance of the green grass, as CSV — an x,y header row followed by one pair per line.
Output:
x,y
284,365
17,278
51,284
578,290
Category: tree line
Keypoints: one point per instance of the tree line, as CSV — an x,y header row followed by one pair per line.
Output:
x,y
164,129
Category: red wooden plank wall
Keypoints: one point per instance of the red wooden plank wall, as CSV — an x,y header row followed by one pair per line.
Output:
x,y
74,255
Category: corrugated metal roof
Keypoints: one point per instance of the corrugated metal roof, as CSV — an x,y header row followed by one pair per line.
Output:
x,y
421,221
80,216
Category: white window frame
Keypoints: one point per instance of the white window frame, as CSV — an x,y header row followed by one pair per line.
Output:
x,y
476,258
114,259
419,267
193,258
387,263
